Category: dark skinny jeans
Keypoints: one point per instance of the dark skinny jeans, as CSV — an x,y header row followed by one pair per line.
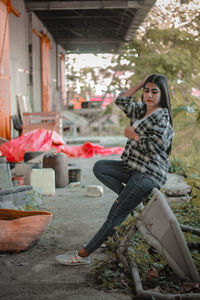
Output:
x,y
132,187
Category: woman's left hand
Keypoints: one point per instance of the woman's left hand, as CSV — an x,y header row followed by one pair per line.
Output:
x,y
129,132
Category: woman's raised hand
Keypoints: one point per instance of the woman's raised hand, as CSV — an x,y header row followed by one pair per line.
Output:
x,y
136,88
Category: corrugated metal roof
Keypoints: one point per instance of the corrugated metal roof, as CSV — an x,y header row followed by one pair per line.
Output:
x,y
91,26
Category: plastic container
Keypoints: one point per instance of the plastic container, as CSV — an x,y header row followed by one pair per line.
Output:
x,y
19,180
43,180
74,175
59,163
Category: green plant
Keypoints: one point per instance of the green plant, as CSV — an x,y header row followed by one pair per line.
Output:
x,y
32,200
176,165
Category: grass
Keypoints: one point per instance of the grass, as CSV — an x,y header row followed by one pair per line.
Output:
x,y
186,142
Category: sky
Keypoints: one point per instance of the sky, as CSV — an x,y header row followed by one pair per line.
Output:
x,y
89,60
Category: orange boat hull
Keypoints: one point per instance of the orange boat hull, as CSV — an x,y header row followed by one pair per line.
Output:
x,y
20,229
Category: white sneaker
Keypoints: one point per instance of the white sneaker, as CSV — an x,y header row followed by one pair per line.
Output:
x,y
72,258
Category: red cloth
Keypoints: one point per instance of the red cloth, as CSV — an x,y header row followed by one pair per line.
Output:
x,y
44,140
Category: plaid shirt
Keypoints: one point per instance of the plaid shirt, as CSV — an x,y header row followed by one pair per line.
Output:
x,y
149,155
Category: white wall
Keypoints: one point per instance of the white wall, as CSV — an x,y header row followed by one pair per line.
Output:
x,y
53,79
36,63
18,54
36,60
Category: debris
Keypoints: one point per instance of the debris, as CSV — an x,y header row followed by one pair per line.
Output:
x,y
145,223
179,200
153,274
94,190
176,186
163,232
74,184
7,262
190,229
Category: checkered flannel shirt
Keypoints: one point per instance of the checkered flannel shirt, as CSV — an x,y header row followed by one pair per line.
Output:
x,y
149,154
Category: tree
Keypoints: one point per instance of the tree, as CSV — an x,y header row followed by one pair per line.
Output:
x,y
168,42
164,47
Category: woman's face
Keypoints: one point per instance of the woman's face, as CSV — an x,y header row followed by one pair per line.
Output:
x,y
151,95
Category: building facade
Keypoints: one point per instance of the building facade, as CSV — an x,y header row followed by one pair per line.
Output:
x,y
32,73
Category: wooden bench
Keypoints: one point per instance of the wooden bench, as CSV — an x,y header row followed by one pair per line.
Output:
x,y
43,120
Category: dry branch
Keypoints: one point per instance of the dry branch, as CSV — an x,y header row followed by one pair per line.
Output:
x,y
188,228
149,293
122,248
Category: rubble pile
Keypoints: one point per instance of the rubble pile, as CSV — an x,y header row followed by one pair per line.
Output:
x,y
176,189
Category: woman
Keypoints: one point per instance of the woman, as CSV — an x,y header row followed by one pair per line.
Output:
x,y
144,163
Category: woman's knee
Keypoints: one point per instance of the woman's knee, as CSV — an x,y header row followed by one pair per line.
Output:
x,y
98,168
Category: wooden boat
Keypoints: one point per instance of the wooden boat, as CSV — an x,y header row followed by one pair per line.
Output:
x,y
20,229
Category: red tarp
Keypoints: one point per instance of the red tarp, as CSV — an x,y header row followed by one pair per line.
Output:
x,y
44,140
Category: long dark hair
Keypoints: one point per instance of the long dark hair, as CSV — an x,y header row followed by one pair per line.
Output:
x,y
162,82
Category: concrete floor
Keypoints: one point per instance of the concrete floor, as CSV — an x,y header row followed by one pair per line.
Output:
x,y
35,274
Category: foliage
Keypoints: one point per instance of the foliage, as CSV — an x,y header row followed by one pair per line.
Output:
x,y
108,109
109,274
176,166
162,47
185,158
31,200
195,192
182,168
185,153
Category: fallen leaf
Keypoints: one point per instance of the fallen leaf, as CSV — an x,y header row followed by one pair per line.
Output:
x,y
157,289
187,286
153,274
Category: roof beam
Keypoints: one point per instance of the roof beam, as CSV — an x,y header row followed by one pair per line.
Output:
x,y
77,41
82,5
138,19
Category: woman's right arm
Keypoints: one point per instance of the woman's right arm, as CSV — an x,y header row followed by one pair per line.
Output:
x,y
136,88
124,102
